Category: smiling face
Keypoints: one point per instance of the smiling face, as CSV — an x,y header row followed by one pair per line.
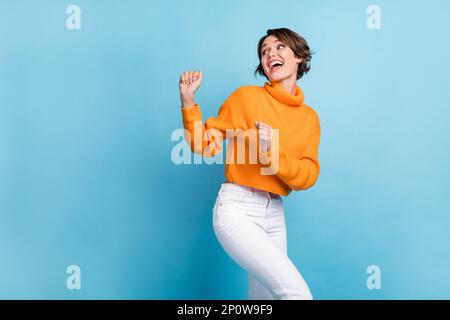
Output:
x,y
278,60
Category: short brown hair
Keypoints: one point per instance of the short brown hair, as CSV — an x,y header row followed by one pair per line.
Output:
x,y
296,42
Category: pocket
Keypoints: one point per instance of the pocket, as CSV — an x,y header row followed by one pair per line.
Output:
x,y
230,202
233,197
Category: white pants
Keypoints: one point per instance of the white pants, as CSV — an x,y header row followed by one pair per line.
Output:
x,y
250,226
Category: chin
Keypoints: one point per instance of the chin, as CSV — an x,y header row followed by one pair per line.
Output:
x,y
277,78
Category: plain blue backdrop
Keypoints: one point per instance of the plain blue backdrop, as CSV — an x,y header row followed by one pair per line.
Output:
x,y
86,176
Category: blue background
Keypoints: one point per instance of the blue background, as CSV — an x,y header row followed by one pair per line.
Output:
x,y
86,176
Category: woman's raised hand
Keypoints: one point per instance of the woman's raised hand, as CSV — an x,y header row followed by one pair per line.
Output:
x,y
189,83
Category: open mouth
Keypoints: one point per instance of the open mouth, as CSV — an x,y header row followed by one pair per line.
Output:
x,y
275,65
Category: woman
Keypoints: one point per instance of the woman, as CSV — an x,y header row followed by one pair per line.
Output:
x,y
248,215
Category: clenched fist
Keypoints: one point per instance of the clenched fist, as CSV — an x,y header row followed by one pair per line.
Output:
x,y
189,83
265,135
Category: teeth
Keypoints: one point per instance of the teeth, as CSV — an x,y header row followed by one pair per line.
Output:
x,y
275,62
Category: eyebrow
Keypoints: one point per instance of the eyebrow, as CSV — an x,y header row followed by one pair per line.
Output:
x,y
265,44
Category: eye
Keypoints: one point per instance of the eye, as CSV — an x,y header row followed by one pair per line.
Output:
x,y
281,45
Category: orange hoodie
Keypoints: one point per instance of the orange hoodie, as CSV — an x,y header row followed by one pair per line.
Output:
x,y
299,136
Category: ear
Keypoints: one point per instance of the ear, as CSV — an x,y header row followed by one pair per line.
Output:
x,y
299,61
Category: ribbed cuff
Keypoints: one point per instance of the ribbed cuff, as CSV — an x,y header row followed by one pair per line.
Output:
x,y
192,113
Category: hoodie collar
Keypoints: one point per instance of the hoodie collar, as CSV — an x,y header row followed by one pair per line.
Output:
x,y
278,92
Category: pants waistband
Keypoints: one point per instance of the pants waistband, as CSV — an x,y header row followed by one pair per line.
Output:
x,y
235,186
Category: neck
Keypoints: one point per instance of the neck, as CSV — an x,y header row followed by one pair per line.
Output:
x,y
288,84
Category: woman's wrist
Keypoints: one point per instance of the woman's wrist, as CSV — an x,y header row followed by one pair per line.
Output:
x,y
187,103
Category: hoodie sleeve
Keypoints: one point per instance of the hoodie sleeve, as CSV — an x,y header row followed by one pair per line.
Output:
x,y
301,172
206,138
